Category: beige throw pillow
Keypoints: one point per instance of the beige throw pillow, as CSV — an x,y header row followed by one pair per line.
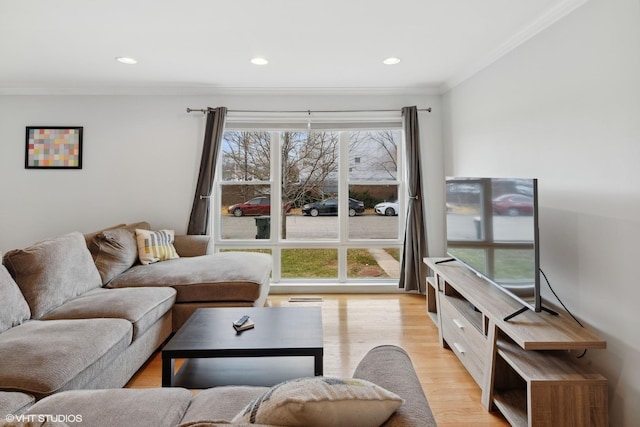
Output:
x,y
114,252
52,272
155,246
322,402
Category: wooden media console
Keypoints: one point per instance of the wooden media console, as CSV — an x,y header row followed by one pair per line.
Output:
x,y
522,365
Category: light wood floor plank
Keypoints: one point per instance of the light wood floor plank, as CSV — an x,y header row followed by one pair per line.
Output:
x,y
355,323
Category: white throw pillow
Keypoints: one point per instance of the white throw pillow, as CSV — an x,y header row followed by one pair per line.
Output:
x,y
154,246
322,402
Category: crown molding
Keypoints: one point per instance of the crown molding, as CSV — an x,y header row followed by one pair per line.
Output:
x,y
543,22
206,90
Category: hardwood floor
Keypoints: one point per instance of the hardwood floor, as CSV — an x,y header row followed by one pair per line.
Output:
x,y
355,323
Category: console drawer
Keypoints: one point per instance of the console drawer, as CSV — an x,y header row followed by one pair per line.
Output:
x,y
464,339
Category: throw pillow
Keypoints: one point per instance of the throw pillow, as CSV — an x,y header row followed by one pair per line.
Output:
x,y
114,252
88,237
15,309
51,272
154,246
322,402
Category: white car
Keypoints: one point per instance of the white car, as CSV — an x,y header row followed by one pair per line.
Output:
x,y
387,208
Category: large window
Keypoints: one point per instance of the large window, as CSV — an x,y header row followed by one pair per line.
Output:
x,y
326,203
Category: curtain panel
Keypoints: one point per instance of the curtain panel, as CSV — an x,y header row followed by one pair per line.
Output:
x,y
413,272
199,221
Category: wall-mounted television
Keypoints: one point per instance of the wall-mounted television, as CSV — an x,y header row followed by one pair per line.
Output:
x,y
492,228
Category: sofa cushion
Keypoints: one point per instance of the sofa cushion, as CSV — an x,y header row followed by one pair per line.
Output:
x,y
114,251
188,245
155,246
227,276
322,401
15,309
90,236
221,403
53,271
119,407
141,306
42,357
13,402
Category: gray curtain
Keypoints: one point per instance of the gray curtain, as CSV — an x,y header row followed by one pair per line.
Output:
x,y
199,219
413,272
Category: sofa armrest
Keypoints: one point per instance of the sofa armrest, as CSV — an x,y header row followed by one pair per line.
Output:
x,y
390,367
192,245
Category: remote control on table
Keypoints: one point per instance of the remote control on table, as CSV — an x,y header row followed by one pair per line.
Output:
x,y
241,321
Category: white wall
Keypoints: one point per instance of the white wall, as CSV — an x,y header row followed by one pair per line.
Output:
x,y
565,108
141,157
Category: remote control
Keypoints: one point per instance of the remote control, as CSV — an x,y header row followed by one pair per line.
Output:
x,y
241,321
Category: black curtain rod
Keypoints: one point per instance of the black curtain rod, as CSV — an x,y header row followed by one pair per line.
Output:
x,y
204,110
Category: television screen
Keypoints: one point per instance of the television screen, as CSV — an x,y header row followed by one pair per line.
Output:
x,y
492,228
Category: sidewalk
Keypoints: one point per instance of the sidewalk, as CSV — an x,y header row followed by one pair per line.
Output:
x,y
388,263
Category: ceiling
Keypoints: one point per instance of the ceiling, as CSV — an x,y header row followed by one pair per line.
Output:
x,y
203,46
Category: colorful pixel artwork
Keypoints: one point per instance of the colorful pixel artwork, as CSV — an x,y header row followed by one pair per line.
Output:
x,y
54,147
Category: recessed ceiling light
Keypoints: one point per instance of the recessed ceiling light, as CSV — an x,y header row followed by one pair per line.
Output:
x,y
391,61
259,61
125,60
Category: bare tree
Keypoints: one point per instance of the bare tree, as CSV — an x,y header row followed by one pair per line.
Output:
x,y
309,159
246,156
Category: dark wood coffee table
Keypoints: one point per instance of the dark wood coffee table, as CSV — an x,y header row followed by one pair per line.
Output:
x,y
286,343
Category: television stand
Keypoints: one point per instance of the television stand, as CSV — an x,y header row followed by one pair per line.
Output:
x,y
523,309
522,367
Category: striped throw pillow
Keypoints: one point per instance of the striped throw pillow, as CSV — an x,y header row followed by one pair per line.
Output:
x,y
154,246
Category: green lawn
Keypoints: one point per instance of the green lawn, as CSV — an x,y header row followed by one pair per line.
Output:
x,y
309,263
323,263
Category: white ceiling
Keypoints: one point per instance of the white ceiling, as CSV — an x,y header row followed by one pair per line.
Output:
x,y
200,46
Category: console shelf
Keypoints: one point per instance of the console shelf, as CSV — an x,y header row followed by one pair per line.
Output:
x,y
522,365
432,309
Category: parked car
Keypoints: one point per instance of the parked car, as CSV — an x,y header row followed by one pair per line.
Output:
x,y
513,205
330,207
387,208
256,206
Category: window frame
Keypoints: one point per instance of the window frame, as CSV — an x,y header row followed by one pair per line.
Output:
x,y
342,243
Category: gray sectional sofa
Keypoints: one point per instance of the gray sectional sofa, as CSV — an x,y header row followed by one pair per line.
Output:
x,y
79,316
63,331
228,279
68,321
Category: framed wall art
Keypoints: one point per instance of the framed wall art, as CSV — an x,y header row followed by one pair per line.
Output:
x,y
53,147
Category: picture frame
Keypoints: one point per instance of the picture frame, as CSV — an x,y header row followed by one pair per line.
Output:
x,y
53,147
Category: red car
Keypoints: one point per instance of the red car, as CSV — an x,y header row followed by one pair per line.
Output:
x,y
256,206
513,205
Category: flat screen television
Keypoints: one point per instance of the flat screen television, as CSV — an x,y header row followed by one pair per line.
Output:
x,y
492,228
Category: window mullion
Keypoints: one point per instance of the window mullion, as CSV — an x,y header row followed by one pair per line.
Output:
x,y
276,205
343,205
